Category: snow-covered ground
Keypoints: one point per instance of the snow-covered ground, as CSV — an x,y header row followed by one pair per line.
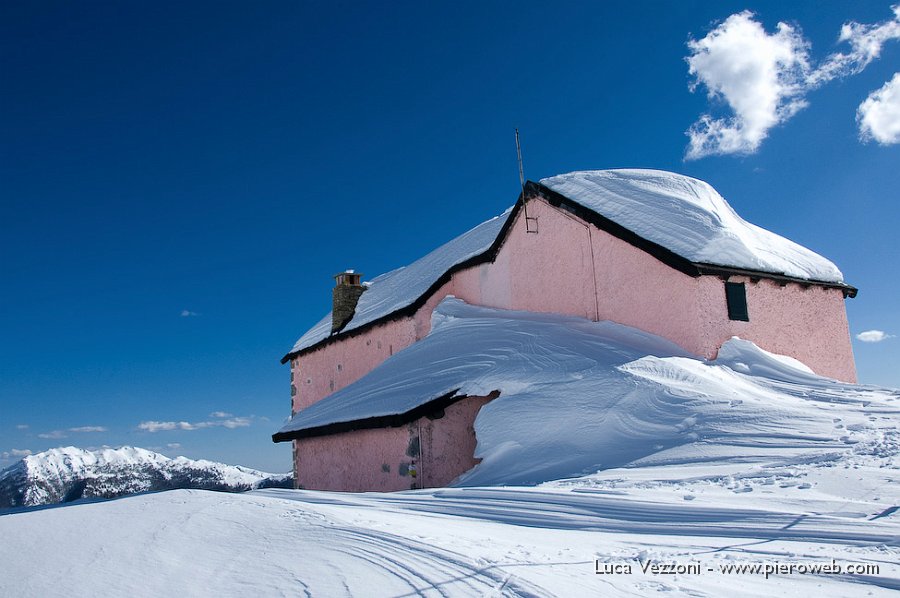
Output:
x,y
614,464
448,542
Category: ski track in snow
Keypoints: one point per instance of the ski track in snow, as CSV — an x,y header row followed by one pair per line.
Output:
x,y
444,542
583,511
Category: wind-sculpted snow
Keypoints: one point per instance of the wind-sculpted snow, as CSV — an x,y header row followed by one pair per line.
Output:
x,y
690,218
578,396
477,350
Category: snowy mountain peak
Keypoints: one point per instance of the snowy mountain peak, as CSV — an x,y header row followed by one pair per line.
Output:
x,y
69,473
70,459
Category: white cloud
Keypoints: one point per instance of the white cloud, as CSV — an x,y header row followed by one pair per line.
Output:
x,y
22,427
86,429
760,76
866,42
230,423
173,445
234,422
57,434
220,414
763,78
873,336
879,115
154,426
186,313
15,454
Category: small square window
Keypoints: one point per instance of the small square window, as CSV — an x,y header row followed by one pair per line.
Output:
x,y
736,297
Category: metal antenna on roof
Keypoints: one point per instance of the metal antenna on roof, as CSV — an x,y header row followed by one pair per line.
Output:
x,y
521,169
529,222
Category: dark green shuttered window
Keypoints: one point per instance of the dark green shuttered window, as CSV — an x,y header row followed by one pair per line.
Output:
x,y
736,297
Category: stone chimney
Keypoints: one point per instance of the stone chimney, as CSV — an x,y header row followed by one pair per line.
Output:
x,y
345,295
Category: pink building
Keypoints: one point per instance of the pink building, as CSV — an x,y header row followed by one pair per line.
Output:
x,y
657,251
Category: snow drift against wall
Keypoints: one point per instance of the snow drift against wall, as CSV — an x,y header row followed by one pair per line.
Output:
x,y
578,396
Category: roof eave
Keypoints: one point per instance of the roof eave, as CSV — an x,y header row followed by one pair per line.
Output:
x,y
426,409
716,270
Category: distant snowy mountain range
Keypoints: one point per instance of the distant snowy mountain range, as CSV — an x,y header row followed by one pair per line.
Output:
x,y
65,474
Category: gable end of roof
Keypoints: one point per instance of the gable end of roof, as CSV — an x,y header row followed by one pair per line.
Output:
x,y
384,421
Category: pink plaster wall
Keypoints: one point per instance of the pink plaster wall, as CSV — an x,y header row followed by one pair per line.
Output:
x,y
448,444
384,459
548,271
330,368
319,373
636,289
808,323
358,461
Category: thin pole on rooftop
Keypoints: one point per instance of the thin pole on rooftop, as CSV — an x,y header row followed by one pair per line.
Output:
x,y
521,168
522,184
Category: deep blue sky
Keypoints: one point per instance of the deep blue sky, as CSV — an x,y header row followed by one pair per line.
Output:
x,y
225,159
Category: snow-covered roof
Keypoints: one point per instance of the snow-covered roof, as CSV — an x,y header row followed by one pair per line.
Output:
x,y
688,217
680,214
401,287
